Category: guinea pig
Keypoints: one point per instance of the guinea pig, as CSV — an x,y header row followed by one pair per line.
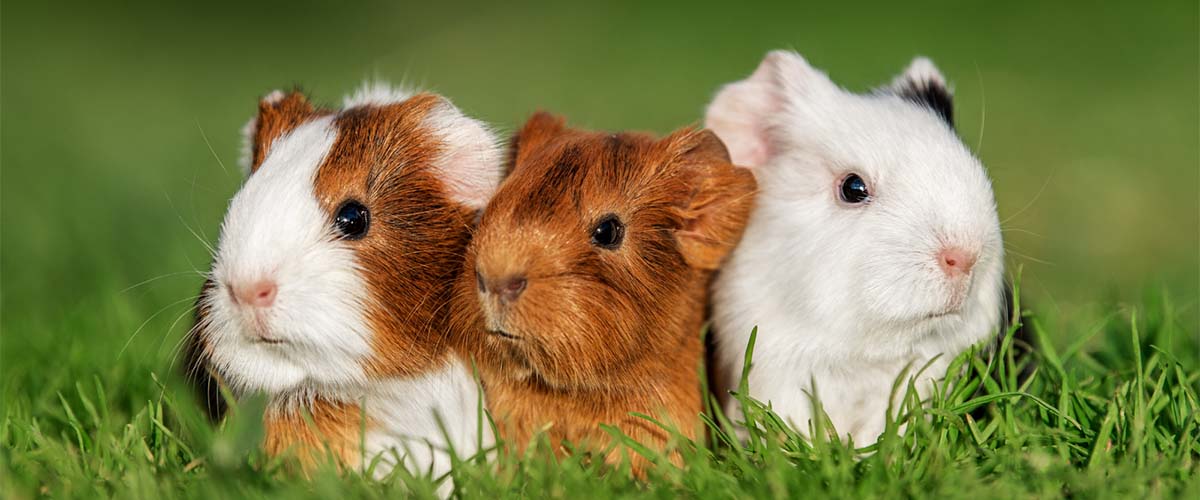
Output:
x,y
874,248
330,285
585,284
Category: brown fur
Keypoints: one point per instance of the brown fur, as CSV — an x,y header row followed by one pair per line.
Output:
x,y
276,118
602,333
414,247
383,157
326,429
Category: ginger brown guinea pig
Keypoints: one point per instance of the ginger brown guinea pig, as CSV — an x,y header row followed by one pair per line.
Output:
x,y
585,284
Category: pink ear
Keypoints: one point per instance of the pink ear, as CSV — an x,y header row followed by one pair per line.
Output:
x,y
739,116
744,113
470,165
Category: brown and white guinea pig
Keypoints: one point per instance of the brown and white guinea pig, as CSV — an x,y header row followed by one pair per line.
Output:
x,y
585,284
330,286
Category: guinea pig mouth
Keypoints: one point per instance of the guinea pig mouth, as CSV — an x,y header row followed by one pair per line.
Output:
x,y
258,331
504,335
952,310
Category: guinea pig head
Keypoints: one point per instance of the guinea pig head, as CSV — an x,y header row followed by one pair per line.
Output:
x,y
337,255
594,254
873,215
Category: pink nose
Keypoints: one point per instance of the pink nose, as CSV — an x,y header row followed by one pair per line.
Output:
x,y
259,294
508,289
511,288
956,262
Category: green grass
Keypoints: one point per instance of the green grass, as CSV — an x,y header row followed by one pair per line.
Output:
x,y
1121,421
118,134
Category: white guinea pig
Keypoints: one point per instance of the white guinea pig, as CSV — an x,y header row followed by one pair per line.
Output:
x,y
874,246
330,283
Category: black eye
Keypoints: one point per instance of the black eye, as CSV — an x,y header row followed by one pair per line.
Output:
x,y
608,233
352,220
854,189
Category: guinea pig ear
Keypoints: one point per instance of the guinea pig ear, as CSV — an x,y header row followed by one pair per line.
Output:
x,y
718,199
743,113
469,164
924,85
278,114
537,131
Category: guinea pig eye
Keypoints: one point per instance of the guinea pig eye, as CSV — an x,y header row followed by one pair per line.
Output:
x,y
608,233
853,189
352,220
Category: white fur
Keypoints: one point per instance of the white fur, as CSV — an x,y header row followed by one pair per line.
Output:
x,y
246,155
376,93
414,418
922,71
469,165
842,294
276,230
469,171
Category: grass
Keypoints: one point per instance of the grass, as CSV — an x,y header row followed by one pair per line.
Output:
x,y
117,146
1119,421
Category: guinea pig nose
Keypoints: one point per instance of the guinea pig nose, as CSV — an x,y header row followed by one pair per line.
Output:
x,y
955,261
511,288
259,294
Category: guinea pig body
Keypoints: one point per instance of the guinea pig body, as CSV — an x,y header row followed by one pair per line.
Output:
x,y
330,284
874,248
586,281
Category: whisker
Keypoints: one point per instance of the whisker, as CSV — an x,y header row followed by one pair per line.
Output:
x,y
205,274
192,205
1027,257
1023,231
151,318
156,278
1031,202
211,251
175,323
982,109
178,349
211,149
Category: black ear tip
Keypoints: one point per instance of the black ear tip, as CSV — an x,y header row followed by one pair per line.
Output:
x,y
923,84
931,94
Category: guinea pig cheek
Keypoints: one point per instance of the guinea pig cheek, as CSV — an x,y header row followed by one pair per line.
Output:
x,y
576,334
898,283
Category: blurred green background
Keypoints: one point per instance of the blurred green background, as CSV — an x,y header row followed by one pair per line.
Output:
x,y
120,129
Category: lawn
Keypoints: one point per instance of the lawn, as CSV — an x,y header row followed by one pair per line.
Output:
x,y
118,141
